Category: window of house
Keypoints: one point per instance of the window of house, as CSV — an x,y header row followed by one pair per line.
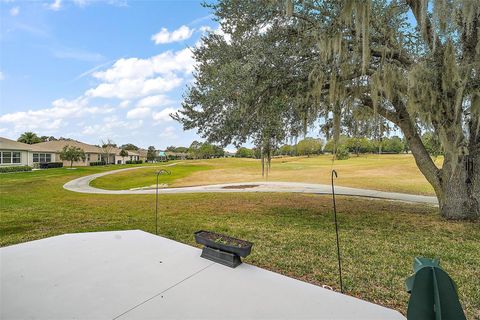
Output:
x,y
6,157
16,157
42,157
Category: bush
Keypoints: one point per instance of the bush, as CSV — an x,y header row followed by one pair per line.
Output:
x,y
134,161
342,153
49,165
98,163
15,169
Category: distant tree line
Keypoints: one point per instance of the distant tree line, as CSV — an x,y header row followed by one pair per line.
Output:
x,y
198,150
346,145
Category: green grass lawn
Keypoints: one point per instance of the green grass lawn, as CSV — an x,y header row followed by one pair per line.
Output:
x,y
397,173
146,176
293,233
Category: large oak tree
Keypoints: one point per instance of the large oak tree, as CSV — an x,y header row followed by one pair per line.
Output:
x,y
279,66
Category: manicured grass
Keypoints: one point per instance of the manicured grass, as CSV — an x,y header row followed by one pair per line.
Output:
x,y
293,233
146,177
397,173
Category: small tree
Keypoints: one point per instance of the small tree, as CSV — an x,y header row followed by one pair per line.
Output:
x,y
107,147
151,153
129,146
309,146
72,153
244,153
123,154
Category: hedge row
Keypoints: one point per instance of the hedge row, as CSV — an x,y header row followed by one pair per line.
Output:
x,y
15,169
98,163
134,161
49,165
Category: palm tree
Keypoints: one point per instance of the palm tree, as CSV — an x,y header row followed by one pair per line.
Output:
x,y
29,137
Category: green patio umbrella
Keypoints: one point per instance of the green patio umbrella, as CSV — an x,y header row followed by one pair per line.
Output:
x,y
433,293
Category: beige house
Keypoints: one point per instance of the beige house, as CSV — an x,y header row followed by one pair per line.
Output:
x,y
18,153
13,153
132,156
40,152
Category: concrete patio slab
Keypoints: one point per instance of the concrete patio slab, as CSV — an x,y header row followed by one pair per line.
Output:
x,y
137,275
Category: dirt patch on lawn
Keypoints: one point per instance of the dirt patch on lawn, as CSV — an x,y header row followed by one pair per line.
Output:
x,y
243,186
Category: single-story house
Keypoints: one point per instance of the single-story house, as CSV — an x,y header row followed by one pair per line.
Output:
x,y
17,153
43,151
14,153
132,156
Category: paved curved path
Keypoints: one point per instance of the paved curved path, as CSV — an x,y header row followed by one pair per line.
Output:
x,y
82,185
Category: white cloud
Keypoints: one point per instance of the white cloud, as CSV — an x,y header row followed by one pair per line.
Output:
x,y
165,36
138,113
131,68
124,104
14,11
153,101
164,115
112,127
168,132
135,78
52,118
55,5
135,88
179,61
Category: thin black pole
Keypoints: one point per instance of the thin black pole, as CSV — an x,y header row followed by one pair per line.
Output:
x,y
159,172
334,173
156,206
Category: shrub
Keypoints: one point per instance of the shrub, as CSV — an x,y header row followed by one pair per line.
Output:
x,y
342,153
15,169
49,165
98,163
134,161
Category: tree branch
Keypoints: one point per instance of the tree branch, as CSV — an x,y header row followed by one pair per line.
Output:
x,y
427,29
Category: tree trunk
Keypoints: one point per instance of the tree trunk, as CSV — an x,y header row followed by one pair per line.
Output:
x,y
71,163
459,196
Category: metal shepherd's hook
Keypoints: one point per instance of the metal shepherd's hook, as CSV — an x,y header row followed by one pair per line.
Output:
x,y
159,172
334,175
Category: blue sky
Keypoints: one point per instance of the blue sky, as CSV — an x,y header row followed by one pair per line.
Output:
x,y
90,70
